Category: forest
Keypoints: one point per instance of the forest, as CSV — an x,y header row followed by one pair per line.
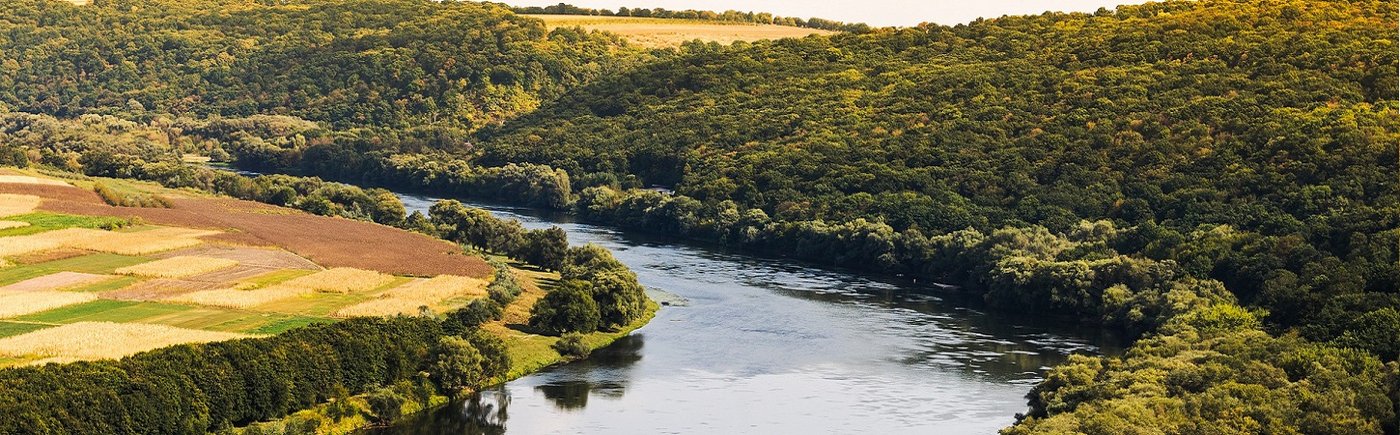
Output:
x,y
1216,177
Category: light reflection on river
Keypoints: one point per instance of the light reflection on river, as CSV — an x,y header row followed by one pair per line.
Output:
x,y
773,346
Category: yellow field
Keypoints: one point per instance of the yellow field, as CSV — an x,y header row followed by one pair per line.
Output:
x,y
137,243
666,32
20,303
235,298
18,245
410,298
178,267
98,340
341,280
5,225
144,242
25,179
11,204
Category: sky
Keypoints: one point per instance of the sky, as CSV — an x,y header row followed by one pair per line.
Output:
x,y
873,12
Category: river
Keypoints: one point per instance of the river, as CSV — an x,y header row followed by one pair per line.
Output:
x,y
772,346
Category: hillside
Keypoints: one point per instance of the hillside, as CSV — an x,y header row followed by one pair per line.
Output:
x,y
671,32
1274,118
362,62
1216,178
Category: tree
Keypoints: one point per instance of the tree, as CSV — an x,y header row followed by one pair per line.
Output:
x,y
568,308
458,366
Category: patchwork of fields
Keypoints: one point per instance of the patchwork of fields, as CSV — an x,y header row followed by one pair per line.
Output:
x,y
101,284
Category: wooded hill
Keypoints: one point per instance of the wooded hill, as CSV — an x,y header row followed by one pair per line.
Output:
x,y
1218,176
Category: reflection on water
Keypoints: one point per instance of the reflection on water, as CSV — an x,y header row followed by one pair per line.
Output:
x,y
775,346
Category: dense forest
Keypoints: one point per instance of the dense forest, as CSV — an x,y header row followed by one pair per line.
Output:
x,y
347,63
1217,177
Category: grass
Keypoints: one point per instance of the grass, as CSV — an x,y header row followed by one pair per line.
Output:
x,y
274,277
94,263
312,304
108,285
104,310
40,222
8,329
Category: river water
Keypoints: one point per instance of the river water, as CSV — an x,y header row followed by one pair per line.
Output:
x,y
772,346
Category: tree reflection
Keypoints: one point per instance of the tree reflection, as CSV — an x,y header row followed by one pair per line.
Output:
x,y
603,374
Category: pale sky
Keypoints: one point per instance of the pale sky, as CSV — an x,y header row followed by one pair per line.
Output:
x,y
873,12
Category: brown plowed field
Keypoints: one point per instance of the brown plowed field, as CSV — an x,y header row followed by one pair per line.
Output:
x,y
331,242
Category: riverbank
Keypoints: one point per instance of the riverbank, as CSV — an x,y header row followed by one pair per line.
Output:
x,y
529,353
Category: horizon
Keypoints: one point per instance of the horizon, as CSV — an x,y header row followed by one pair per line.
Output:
x,y
879,13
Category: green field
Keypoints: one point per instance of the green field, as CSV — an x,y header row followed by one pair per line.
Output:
x,y
40,222
100,263
183,316
8,328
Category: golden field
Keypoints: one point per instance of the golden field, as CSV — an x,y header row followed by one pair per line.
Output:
x,y
99,340
178,267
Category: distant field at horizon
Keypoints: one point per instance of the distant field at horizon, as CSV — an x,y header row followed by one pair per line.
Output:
x,y
671,32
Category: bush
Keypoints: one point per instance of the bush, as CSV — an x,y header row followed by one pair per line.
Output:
x,y
572,345
569,308
387,405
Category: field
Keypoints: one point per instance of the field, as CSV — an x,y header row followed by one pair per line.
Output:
x,y
665,32
326,241
81,280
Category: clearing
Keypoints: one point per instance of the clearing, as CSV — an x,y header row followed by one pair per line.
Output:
x,y
669,32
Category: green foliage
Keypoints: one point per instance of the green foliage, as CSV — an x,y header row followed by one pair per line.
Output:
x,y
386,404
363,62
568,308
1215,374
115,198
572,345
458,366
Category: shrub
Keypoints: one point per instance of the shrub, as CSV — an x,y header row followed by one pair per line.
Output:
x,y
572,345
569,308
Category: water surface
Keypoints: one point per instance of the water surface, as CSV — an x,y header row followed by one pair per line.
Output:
x,y
773,346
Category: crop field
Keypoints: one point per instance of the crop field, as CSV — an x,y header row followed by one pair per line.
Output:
x,y
19,303
178,267
80,280
57,281
326,241
667,32
97,340
433,293
341,280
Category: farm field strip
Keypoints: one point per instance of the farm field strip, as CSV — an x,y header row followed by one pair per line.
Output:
x,y
408,298
56,281
21,303
101,263
178,267
72,287
11,204
97,340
